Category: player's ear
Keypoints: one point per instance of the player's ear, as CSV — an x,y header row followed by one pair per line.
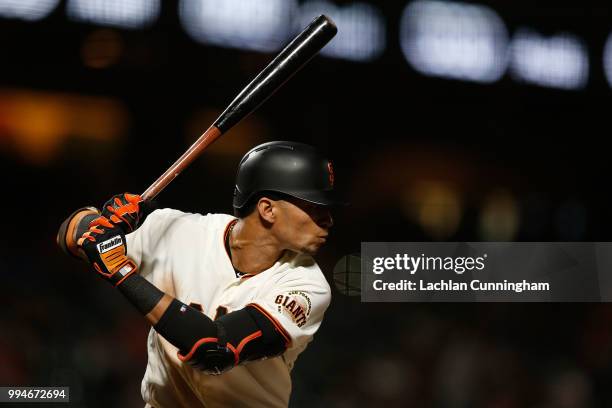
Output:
x,y
267,209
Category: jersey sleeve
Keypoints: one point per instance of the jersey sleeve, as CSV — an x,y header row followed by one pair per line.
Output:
x,y
146,245
296,308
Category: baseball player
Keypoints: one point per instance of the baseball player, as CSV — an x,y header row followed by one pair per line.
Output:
x,y
233,300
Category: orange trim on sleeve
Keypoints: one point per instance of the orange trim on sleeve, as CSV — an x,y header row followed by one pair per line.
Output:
x,y
236,353
195,347
275,322
241,345
248,338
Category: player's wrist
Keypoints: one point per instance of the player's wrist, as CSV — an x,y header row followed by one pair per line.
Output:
x,y
115,276
122,272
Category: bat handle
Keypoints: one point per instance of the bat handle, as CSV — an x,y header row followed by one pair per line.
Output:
x,y
211,134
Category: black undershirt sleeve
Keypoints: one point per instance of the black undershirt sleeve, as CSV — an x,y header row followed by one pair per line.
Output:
x,y
142,294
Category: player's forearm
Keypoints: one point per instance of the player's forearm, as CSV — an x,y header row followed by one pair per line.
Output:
x,y
159,309
174,320
148,299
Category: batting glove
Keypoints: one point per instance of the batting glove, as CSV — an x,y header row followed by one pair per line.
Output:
x,y
124,211
105,247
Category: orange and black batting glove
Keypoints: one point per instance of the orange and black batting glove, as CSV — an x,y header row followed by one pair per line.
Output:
x,y
124,210
105,246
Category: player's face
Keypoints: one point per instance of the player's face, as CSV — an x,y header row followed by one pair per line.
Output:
x,y
303,227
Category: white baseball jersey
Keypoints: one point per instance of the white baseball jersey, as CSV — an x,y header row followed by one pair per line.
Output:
x,y
184,255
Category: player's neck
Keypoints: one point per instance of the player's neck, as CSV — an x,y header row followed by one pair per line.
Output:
x,y
253,249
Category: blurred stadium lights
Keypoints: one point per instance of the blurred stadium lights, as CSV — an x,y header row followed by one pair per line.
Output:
x,y
499,217
102,48
607,59
117,13
435,206
454,40
38,124
449,39
260,25
560,61
29,10
361,29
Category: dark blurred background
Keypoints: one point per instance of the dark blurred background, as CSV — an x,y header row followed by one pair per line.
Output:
x,y
446,121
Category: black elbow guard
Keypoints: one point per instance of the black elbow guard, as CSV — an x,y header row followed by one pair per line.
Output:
x,y
215,347
210,356
196,337
251,335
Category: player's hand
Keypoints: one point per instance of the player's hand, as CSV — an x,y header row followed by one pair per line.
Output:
x,y
124,211
105,247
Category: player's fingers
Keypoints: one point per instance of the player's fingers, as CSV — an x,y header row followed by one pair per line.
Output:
x,y
133,198
103,221
117,218
130,209
85,236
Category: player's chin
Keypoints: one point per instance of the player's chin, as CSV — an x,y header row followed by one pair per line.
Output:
x,y
313,247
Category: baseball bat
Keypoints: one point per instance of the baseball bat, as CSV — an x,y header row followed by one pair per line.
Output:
x,y
295,55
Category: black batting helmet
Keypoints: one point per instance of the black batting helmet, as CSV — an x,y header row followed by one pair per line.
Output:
x,y
291,168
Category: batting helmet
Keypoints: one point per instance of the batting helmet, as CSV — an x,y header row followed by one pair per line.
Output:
x,y
291,168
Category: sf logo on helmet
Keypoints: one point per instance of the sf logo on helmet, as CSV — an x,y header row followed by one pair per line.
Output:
x,y
330,169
